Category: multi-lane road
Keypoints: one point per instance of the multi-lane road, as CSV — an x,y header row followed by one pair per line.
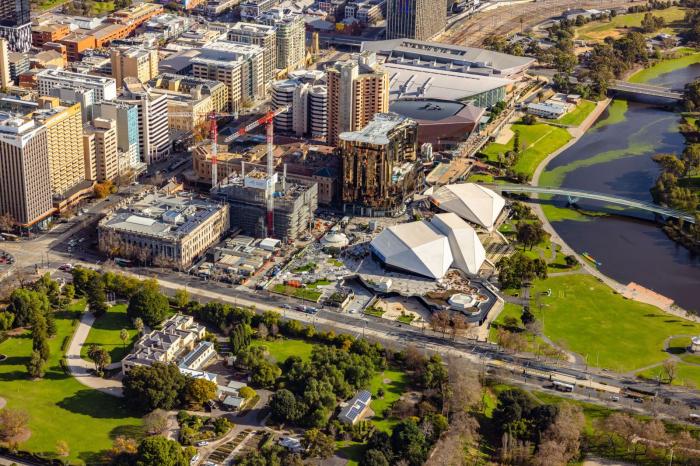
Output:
x,y
597,385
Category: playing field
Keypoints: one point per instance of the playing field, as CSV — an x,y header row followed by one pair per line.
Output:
x,y
536,141
588,318
59,407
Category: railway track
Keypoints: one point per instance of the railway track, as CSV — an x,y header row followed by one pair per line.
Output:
x,y
518,17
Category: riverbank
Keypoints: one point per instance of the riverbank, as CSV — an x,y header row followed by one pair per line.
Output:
x,y
630,291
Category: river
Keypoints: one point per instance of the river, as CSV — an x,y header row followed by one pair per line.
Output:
x,y
615,157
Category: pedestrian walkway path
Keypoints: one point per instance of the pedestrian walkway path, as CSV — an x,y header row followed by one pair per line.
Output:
x,y
81,369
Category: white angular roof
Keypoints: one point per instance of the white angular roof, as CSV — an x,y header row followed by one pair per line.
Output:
x,y
468,252
415,247
470,201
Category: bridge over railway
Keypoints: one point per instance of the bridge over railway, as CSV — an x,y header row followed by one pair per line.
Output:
x,y
648,90
574,195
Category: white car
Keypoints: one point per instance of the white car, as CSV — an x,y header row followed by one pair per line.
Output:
x,y
203,443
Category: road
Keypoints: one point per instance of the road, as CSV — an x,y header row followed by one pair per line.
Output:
x,y
31,253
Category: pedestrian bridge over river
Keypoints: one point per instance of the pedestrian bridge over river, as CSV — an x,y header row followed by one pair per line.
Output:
x,y
574,195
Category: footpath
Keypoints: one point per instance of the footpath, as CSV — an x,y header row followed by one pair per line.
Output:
x,y
81,369
631,291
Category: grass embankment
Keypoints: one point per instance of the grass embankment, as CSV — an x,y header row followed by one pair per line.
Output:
x,y
585,316
106,333
536,141
60,408
578,115
617,26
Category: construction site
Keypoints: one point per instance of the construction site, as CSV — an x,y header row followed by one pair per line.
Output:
x,y
246,193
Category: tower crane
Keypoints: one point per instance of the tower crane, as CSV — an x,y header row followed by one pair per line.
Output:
x,y
264,120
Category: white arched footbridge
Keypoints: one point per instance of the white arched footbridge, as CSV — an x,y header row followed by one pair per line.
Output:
x,y
575,194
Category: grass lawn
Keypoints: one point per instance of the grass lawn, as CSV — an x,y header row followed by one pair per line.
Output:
x,y
335,262
374,311
282,348
59,407
537,142
105,332
318,283
406,319
303,293
480,178
308,267
351,451
687,375
101,8
533,343
598,30
394,384
586,317
577,115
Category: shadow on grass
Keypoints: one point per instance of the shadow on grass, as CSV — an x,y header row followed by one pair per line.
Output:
x,y
95,457
353,451
129,431
98,405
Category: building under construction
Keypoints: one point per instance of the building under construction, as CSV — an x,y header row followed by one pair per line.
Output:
x,y
294,203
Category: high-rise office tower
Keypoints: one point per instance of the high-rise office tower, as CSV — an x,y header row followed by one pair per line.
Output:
x,y
154,133
5,80
25,191
64,129
357,90
127,118
15,24
415,19
105,144
307,96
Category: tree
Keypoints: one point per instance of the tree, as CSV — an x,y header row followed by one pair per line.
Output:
x,y
527,317
517,269
240,337
104,189
157,386
155,422
265,373
7,222
62,448
283,406
181,298
651,23
35,365
124,337
138,325
25,304
318,444
409,443
247,393
530,234
529,119
670,370
100,357
374,458
158,450
262,331
150,305
13,422
198,391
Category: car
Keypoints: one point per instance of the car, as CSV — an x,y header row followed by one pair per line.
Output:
x,y
65,267
638,400
194,459
615,398
286,306
203,443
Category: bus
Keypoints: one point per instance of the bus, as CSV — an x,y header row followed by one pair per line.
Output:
x,y
122,262
563,387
